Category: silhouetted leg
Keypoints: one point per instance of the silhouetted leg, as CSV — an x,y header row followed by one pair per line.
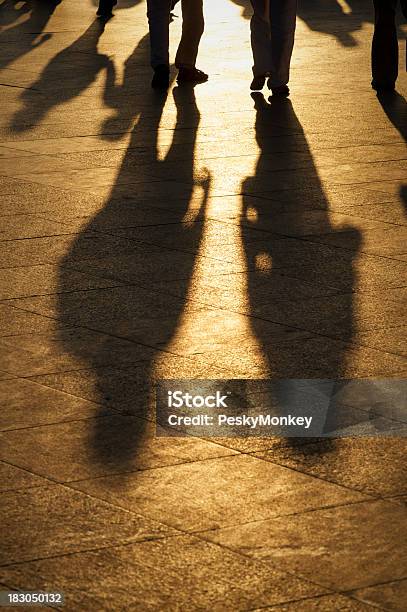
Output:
x,y
158,13
282,25
260,37
192,30
385,50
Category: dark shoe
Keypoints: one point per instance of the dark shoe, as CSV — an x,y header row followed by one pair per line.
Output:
x,y
161,78
383,86
105,8
258,82
282,90
191,75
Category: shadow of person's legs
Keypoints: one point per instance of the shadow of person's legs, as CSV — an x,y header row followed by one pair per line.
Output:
x,y
129,250
294,281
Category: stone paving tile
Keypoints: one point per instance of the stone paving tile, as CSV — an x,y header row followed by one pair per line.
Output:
x,y
231,494
215,234
325,603
93,152
27,404
364,172
23,197
335,196
388,212
270,182
98,183
280,446
130,389
145,263
98,447
229,332
12,477
28,355
118,215
14,321
44,279
151,576
327,265
29,226
393,340
135,313
55,146
6,376
342,315
391,596
346,547
34,164
309,222
387,242
390,188
93,179
372,465
7,153
70,522
107,385
309,357
229,291
52,249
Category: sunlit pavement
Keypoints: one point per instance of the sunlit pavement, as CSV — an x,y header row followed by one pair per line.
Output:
x,y
202,234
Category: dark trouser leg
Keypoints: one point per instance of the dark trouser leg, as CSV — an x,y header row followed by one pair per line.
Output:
x,y
404,9
192,30
282,27
385,50
158,13
260,37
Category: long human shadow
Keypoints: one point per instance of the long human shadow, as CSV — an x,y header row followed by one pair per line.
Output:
x,y
328,17
75,67
339,20
23,37
293,279
331,18
127,250
395,107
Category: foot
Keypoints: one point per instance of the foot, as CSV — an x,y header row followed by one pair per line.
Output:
x,y
383,86
258,82
191,75
161,78
282,90
105,8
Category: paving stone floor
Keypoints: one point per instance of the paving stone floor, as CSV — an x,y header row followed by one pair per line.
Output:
x,y
202,234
